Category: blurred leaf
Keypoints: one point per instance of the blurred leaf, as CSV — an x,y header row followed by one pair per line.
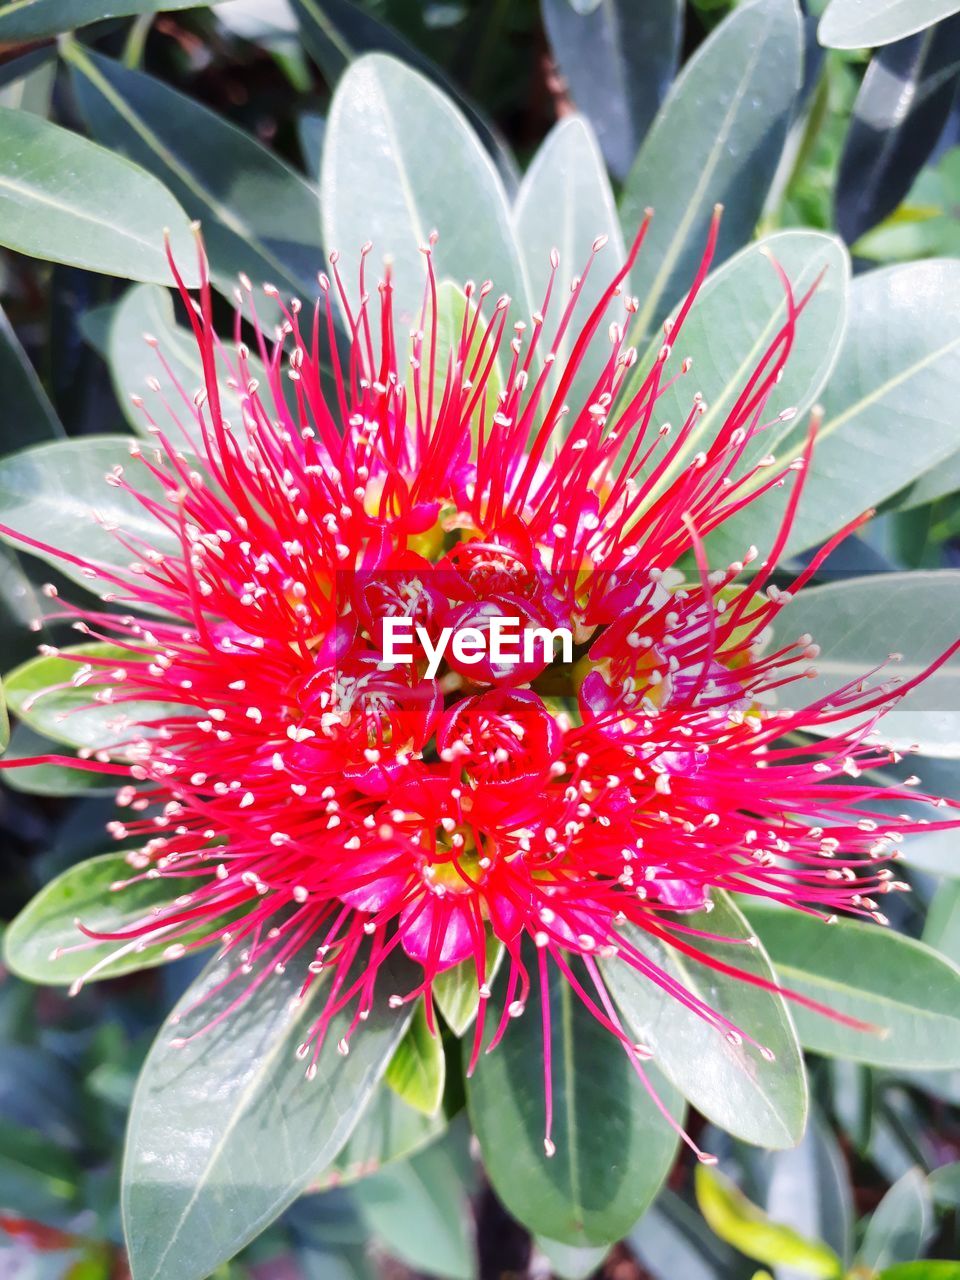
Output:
x,y
259,216
737,315
388,1130
28,416
568,1262
738,1221
67,200
618,58
336,32
944,1185
565,204
457,993
941,929
858,623
311,129
731,1084
717,138
613,1147
867,972
894,368
225,1131
418,1210
922,1271
808,1189
672,1239
26,83
41,693
418,1068
58,494
924,226
898,1229
864,24
900,111
386,126
23,20
86,892
36,1175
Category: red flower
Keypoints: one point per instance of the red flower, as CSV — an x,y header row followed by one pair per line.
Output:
x,y
333,802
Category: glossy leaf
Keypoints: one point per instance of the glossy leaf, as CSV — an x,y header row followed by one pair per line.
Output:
x,y
41,693
336,32
259,216
66,199
613,1148
58,494
864,971
618,58
43,944
857,24
742,1224
737,315
386,126
388,1130
733,1085
901,108
568,1262
888,407
418,1210
900,1226
565,203
23,20
717,138
28,416
941,929
417,1070
225,1131
808,1188
859,622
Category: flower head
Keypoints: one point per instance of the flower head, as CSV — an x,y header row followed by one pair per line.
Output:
x,y
314,795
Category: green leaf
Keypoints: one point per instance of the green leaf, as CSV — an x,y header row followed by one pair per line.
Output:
x,y
944,1184
941,930
864,24
760,1101
68,200
28,416
922,1271
737,315
567,1261
417,1070
618,58
336,32
899,1227
718,138
808,1188
672,1239
141,330
613,1147
896,373
866,972
259,216
388,1130
456,992
418,1210
565,203
381,182
41,694
858,623
49,779
740,1223
23,20
43,944
58,494
225,1131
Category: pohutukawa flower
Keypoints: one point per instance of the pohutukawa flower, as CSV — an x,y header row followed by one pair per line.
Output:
x,y
328,801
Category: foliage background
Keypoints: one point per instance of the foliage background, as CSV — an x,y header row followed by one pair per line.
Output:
x,y
868,149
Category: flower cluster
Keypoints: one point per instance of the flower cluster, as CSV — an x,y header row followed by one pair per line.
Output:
x,y
299,793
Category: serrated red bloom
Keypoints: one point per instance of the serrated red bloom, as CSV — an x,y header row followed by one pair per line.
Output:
x,y
325,800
